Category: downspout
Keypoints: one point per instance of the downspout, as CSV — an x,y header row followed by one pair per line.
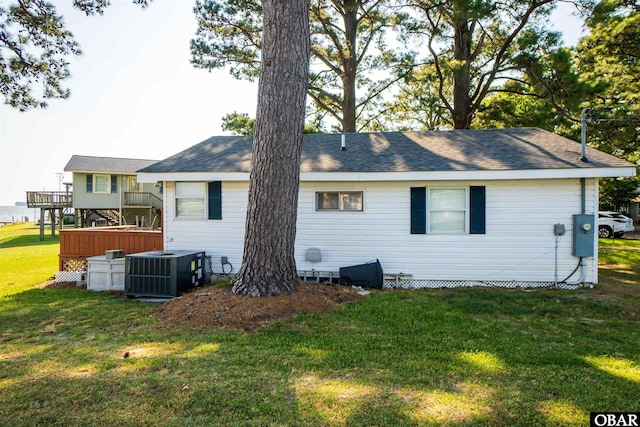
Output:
x,y
582,264
583,189
583,184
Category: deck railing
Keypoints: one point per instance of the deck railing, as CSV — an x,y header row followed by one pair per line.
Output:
x,y
136,198
49,199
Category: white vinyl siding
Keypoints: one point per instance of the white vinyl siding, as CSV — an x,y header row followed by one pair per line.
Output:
x,y
218,238
519,244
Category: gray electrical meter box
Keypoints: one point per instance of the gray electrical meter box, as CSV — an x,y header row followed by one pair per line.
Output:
x,y
584,230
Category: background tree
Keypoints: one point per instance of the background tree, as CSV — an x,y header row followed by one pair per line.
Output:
x,y
268,264
550,94
417,105
349,53
475,44
600,74
242,124
610,56
238,124
34,50
35,46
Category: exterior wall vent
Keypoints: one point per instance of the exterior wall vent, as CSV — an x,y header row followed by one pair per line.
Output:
x,y
163,274
313,255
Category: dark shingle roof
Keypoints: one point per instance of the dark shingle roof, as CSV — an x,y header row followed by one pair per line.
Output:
x,y
455,150
105,164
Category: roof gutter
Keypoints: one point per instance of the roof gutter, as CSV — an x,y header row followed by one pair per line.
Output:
x,y
569,173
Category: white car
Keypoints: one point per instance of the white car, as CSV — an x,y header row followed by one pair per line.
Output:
x,y
613,224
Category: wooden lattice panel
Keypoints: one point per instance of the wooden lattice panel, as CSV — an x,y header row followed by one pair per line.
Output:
x,y
74,264
418,284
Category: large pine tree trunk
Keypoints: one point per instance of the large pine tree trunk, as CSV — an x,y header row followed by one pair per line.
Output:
x,y
462,106
350,66
268,265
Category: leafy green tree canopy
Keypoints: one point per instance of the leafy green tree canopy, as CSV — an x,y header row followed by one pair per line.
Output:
x,y
610,56
599,75
349,48
474,45
238,124
34,51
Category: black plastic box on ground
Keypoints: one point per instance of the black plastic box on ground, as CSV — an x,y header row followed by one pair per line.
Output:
x,y
162,273
367,275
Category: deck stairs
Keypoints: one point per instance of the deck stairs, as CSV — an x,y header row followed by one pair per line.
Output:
x,y
111,216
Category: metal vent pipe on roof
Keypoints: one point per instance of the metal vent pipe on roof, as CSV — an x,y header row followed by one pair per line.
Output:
x,y
583,116
343,144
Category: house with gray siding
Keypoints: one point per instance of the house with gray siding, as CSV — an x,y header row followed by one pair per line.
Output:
x,y
106,191
502,207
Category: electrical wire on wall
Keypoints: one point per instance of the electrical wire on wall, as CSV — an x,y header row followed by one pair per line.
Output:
x,y
208,268
572,273
230,269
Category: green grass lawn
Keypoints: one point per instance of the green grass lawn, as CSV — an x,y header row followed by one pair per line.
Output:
x,y
454,357
24,260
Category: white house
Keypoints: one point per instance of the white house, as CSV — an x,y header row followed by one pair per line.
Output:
x,y
106,189
450,208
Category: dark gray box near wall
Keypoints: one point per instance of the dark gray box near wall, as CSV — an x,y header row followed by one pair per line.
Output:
x,y
584,231
367,275
163,273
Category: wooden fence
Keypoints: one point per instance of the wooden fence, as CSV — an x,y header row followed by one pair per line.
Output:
x,y
77,244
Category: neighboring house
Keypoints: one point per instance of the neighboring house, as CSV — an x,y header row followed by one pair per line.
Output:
x,y
106,192
451,208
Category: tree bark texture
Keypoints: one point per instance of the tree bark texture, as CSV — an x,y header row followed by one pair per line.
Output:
x,y
268,265
462,105
350,67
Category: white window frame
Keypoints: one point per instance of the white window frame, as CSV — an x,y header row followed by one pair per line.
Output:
x,y
431,210
193,196
341,205
96,187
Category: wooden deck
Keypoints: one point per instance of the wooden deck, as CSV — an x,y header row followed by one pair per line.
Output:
x,y
77,244
141,200
49,199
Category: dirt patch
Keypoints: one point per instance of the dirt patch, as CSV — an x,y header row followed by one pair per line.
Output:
x,y
52,284
217,306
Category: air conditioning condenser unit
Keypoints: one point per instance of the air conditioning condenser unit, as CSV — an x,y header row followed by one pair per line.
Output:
x,y
163,274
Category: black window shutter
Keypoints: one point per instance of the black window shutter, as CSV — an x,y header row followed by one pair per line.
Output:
x,y
418,210
114,183
89,183
214,192
477,220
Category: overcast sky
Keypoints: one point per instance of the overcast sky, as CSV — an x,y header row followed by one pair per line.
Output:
x,y
134,94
